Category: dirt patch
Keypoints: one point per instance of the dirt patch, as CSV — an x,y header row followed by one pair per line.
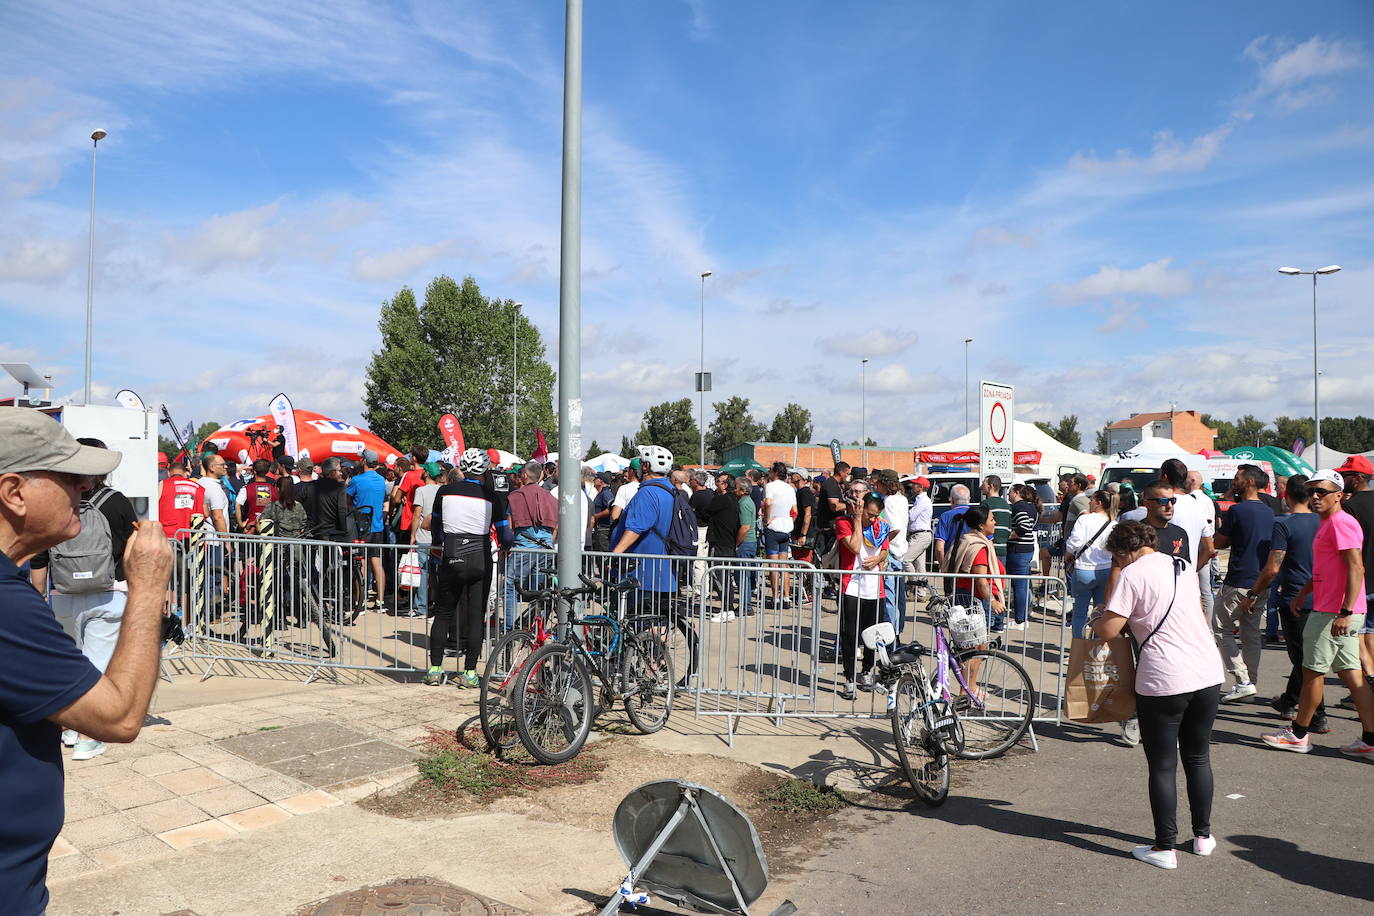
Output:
x,y
791,818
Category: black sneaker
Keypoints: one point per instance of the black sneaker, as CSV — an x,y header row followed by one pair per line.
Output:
x,y
1319,726
1281,705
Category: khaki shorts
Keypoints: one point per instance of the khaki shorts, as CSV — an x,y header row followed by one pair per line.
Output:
x,y
1322,652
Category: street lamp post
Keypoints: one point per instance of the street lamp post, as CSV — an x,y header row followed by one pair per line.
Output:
x,y
701,378
96,136
967,341
1316,385
514,373
863,407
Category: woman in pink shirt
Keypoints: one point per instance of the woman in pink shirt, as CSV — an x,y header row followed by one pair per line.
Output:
x,y
1177,682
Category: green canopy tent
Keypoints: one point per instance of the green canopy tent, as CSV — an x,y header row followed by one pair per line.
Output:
x,y
1285,463
737,466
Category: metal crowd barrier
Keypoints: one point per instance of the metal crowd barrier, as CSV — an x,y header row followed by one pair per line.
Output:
x,y
751,637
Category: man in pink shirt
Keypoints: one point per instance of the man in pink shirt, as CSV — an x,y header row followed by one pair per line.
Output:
x,y
1329,637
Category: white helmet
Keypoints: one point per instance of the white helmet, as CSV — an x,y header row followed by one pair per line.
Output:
x,y
655,458
474,461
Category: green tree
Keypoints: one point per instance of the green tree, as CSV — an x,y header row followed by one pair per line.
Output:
x,y
592,450
453,353
792,422
1289,429
733,425
1064,432
169,447
1102,442
627,448
1249,430
672,426
1348,434
867,442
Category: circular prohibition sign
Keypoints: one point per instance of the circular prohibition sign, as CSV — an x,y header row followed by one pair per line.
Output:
x,y
997,409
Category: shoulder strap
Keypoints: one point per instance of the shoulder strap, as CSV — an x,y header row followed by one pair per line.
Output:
x,y
1178,567
101,497
1092,540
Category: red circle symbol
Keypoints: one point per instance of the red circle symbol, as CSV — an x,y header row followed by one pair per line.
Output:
x,y
997,408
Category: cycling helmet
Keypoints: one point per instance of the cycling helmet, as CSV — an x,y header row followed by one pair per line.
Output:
x,y
474,461
655,458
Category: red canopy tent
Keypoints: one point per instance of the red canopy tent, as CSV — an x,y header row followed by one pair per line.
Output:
x,y
972,457
320,437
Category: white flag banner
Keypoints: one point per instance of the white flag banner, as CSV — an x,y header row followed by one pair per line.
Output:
x,y
129,398
284,415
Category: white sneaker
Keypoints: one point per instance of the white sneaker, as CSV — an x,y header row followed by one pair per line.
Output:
x,y
722,616
1239,692
1016,626
89,748
1203,845
70,737
1130,732
1159,858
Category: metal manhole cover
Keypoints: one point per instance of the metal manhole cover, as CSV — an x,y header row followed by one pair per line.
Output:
x,y
410,897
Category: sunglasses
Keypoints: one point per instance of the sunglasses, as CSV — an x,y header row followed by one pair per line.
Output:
x,y
1162,500
1319,492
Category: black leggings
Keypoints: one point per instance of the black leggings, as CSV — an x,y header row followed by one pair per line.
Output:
x,y
1171,727
856,615
459,601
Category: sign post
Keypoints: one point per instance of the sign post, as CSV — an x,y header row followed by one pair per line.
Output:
x,y
996,442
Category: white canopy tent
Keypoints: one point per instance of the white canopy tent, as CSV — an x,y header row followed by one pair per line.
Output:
x,y
1054,455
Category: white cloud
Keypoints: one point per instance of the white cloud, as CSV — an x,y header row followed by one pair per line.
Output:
x,y
1167,155
868,343
1286,70
1153,279
1000,236
243,237
388,265
41,261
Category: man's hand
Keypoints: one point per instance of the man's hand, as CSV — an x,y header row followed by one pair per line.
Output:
x,y
1247,604
147,558
1341,626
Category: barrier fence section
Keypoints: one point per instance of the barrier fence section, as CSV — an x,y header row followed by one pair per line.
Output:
x,y
750,636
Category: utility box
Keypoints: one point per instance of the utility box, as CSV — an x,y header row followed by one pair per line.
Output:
x,y
131,432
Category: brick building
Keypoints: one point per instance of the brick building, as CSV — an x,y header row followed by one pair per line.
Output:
x,y
1185,427
817,457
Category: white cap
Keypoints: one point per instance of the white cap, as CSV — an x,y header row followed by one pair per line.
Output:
x,y
1329,477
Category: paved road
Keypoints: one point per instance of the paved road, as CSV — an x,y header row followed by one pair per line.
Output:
x,y
1052,832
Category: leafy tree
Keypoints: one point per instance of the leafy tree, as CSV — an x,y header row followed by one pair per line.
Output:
x,y
1248,430
1102,442
1287,430
1065,431
453,353
627,448
671,425
732,426
1348,434
592,450
792,422
867,442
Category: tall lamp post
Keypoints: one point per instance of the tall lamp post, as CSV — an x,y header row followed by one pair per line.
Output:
x,y
863,407
96,136
967,341
514,373
1316,385
702,385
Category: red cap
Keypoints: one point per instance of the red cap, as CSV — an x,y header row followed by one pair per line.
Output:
x,y
1356,464
923,481
161,459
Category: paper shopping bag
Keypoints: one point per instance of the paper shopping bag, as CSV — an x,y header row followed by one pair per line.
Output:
x,y
1100,684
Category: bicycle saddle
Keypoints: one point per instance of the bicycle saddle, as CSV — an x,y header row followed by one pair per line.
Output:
x,y
907,654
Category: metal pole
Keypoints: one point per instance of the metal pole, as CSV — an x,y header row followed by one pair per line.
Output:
x,y
90,267
967,341
863,409
701,375
1316,385
570,306
514,373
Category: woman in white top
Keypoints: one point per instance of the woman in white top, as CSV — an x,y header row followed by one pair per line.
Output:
x,y
1092,562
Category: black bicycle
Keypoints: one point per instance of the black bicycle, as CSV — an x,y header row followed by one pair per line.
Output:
x,y
594,661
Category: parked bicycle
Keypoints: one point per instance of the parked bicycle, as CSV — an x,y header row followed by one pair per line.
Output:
x,y
983,711
595,661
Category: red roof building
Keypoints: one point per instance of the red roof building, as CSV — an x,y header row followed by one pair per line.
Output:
x,y
1185,427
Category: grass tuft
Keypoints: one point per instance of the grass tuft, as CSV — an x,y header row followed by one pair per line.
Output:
x,y
452,767
797,796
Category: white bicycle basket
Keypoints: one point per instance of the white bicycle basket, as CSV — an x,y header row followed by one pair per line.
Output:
x,y
967,627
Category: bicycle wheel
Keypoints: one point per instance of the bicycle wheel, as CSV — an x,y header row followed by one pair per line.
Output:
x,y
649,682
496,706
683,643
553,703
923,759
998,711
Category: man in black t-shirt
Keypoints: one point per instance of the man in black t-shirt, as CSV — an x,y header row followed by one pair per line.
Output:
x,y
1246,529
700,500
1359,503
805,526
830,505
1160,499
326,503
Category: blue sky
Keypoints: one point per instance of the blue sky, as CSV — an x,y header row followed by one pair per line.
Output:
x,y
1099,194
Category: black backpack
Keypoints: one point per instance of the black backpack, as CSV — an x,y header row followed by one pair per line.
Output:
x,y
681,538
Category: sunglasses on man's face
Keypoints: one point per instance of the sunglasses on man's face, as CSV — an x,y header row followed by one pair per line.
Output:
x,y
1319,492
1162,500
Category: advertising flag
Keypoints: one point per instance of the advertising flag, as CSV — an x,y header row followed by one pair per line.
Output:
x,y
284,415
